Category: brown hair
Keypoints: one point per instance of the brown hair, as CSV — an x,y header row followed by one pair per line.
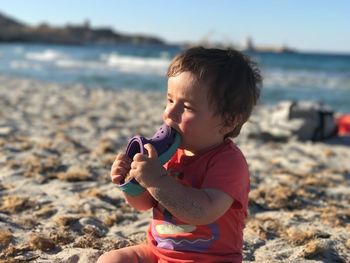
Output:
x,y
234,81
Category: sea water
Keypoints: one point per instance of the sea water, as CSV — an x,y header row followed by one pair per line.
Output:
x,y
287,76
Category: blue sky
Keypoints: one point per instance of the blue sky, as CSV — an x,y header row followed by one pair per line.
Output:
x,y
307,25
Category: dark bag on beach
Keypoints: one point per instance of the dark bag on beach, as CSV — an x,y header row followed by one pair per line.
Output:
x,y
305,120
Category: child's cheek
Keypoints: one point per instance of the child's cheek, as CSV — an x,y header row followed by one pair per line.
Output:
x,y
187,126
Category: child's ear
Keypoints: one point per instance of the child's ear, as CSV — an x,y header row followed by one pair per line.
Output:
x,y
226,129
230,124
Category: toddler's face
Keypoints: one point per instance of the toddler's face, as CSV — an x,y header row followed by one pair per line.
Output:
x,y
189,112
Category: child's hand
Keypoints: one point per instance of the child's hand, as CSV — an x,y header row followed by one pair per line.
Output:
x,y
147,169
120,168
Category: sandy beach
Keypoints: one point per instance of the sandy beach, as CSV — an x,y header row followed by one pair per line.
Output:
x,y
57,204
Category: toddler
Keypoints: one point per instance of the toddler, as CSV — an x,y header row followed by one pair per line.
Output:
x,y
200,197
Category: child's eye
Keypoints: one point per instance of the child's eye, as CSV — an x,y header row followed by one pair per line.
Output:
x,y
170,100
188,108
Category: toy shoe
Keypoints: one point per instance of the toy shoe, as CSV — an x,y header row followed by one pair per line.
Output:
x,y
165,141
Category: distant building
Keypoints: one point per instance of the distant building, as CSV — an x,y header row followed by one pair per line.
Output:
x,y
86,24
248,45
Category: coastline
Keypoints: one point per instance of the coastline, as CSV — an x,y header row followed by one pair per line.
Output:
x,y
57,144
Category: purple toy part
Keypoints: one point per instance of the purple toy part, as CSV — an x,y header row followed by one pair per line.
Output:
x,y
165,141
161,141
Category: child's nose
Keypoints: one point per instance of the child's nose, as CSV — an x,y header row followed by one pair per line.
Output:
x,y
172,113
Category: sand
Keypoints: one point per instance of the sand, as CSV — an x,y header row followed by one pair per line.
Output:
x,y
57,204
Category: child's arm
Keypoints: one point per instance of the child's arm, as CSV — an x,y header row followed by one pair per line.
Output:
x,y
119,170
141,202
191,205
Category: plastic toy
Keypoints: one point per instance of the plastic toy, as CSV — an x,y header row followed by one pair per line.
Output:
x,y
166,141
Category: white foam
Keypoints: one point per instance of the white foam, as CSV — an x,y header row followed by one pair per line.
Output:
x,y
305,78
21,64
46,55
137,64
78,64
18,50
110,62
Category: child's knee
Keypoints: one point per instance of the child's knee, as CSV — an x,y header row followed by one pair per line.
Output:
x,y
110,257
137,253
104,258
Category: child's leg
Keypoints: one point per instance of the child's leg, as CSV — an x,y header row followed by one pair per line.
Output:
x,y
133,254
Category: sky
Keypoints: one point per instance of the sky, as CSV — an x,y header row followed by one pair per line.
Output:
x,y
306,25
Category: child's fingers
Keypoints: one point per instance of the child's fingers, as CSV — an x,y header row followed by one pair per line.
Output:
x,y
139,157
120,167
117,179
118,174
122,160
123,157
152,152
120,163
120,170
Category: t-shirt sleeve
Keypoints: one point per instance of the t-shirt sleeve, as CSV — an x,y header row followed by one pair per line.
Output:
x,y
228,172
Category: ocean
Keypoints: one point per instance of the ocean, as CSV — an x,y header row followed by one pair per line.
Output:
x,y
287,76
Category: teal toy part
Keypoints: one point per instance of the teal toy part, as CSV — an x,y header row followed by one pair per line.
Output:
x,y
132,188
166,156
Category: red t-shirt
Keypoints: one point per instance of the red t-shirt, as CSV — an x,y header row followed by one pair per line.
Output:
x,y
223,168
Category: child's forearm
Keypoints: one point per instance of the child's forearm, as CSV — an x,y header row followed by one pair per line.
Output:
x,y
141,202
188,204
